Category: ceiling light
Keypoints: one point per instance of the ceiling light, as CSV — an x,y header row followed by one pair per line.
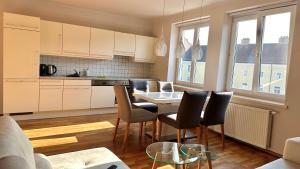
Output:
x,y
161,45
197,54
180,49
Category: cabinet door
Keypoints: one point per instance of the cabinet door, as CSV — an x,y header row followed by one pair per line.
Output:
x,y
76,97
124,44
51,38
144,49
102,97
20,95
11,20
76,40
102,44
51,98
21,53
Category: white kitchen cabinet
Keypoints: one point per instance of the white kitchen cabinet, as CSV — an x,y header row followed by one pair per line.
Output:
x,y
20,95
124,44
21,53
51,95
102,97
144,49
102,44
76,40
76,97
17,21
51,38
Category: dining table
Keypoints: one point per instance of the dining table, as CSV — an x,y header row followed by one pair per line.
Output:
x,y
166,102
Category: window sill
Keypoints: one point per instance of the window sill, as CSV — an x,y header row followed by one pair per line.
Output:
x,y
188,88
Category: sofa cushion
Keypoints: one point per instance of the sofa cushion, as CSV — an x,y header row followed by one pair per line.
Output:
x,y
14,144
98,158
280,164
13,162
292,150
42,161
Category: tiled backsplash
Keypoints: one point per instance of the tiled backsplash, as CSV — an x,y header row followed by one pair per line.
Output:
x,y
120,66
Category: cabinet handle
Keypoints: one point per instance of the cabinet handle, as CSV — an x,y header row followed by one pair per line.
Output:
x,y
29,81
75,52
78,88
22,26
57,88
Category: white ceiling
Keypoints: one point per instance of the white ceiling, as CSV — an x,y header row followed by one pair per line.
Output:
x,y
137,8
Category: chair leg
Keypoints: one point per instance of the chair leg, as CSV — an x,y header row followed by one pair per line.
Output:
x,y
178,135
222,131
154,131
126,133
141,130
116,128
184,132
159,130
206,136
198,131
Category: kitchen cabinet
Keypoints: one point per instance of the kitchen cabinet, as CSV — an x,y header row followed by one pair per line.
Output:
x,y
20,95
51,38
76,40
21,53
144,49
76,94
102,97
102,44
51,95
23,22
124,44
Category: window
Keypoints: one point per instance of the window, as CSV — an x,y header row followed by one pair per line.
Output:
x,y
191,69
260,46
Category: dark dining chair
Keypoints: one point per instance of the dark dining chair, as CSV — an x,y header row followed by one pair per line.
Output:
x,y
137,86
130,115
214,113
188,115
163,86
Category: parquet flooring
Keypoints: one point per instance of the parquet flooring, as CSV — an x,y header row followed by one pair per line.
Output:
x,y
61,135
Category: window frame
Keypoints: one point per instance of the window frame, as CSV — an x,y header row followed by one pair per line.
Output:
x,y
259,15
195,26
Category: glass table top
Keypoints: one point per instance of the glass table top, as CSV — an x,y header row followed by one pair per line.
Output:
x,y
160,97
174,153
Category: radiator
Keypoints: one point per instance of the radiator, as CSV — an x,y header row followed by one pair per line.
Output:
x,y
248,124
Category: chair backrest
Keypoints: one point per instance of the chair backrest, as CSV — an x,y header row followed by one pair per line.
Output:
x,y
137,86
165,86
124,104
216,108
190,108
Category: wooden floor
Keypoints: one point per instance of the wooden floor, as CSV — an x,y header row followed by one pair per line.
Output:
x,y
61,135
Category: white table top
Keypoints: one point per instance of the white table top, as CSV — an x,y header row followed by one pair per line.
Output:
x,y
160,97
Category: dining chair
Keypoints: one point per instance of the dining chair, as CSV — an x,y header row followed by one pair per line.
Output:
x,y
214,113
164,86
188,115
137,86
130,115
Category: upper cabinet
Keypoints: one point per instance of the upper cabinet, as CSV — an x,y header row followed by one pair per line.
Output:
x,y
17,21
124,44
76,40
51,38
102,44
144,49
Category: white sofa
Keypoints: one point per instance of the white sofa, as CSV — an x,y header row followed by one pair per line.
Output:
x,y
291,156
16,152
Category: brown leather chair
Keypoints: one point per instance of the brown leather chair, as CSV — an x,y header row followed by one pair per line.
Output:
x,y
188,115
130,115
163,86
214,113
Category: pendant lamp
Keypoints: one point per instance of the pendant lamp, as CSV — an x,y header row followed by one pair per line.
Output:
x,y
197,55
161,45
180,48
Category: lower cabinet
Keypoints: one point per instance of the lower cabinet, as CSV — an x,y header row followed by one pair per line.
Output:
x,y
51,98
102,97
76,97
20,95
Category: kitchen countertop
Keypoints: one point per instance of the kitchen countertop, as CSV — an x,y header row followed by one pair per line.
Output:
x,y
93,78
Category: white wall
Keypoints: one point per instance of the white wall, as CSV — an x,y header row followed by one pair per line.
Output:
x,y
286,122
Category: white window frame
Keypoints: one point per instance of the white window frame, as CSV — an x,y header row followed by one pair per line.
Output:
x,y
259,15
195,26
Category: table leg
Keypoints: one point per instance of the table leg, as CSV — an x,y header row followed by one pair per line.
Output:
x,y
154,165
209,160
199,164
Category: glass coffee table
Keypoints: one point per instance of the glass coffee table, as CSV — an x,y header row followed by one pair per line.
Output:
x,y
179,154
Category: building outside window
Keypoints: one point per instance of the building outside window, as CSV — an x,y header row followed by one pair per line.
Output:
x,y
191,69
262,51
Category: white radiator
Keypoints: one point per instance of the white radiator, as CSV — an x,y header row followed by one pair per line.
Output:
x,y
248,124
